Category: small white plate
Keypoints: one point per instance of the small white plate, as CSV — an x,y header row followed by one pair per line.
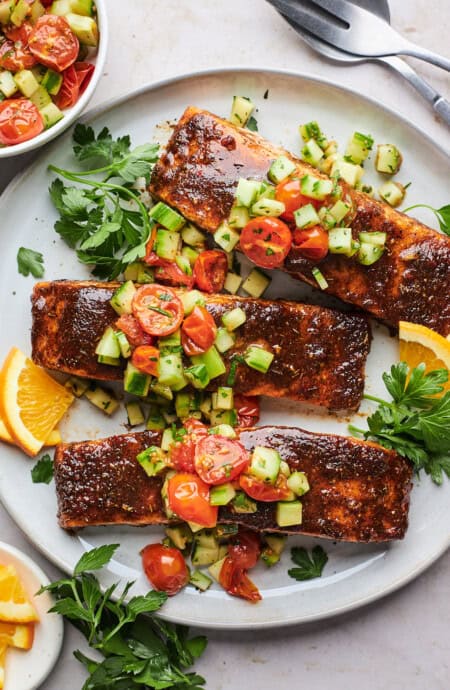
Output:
x,y
26,670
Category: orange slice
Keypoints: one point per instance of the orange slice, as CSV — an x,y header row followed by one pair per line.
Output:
x,y
18,635
31,402
3,648
421,344
15,607
53,439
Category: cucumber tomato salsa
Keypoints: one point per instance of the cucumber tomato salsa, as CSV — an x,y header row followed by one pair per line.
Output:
x,y
44,68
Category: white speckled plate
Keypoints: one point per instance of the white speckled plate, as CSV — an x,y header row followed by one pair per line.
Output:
x,y
355,574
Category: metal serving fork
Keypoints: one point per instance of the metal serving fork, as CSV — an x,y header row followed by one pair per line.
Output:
x,y
353,29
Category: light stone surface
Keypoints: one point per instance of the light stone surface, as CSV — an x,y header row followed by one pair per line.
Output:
x,y
401,642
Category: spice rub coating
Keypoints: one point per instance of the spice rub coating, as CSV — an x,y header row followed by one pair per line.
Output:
x,y
198,175
320,353
359,491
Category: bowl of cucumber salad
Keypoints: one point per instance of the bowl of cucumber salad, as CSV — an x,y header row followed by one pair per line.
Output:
x,y
52,54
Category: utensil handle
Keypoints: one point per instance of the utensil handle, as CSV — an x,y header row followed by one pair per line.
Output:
x,y
427,55
439,103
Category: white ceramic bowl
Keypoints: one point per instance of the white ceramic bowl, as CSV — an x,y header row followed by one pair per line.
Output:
x,y
71,114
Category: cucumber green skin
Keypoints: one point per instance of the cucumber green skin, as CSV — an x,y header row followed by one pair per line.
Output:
x,y
136,382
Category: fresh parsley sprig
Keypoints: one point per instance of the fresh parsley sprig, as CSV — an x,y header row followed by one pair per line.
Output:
x,y
30,261
310,566
43,470
139,651
416,423
103,217
442,214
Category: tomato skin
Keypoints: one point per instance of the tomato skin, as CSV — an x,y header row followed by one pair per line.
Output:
x,y
75,81
146,359
188,497
219,459
20,120
210,270
14,57
312,243
245,548
53,42
266,241
182,453
267,493
158,309
165,568
247,409
166,272
288,192
242,555
135,334
200,328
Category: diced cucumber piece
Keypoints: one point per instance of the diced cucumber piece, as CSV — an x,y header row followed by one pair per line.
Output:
x,y
392,193
366,188
190,254
340,241
223,430
221,495
258,358
164,392
124,345
134,414
8,86
247,192
21,11
277,542
123,297
167,343
315,187
284,468
192,299
243,504
328,221
265,464
266,191
83,7
331,148
269,557
84,28
191,235
311,130
205,406
199,580
206,548
183,264
112,361
298,483
6,7
288,514
37,10
358,148
102,399
241,110
256,283
220,417
239,217
369,254
108,345
377,238
171,371
180,536
167,217
215,568
340,210
280,169
320,278
145,274
306,216
135,381
349,172
167,244
226,237
167,440
26,82
389,159
213,362
197,375
232,282
312,152
234,318
41,98
164,495
223,398
52,82
155,420
182,405
224,340
268,207
77,386
60,7
51,114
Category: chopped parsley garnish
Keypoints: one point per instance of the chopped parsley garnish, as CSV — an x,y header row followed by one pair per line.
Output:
x,y
236,360
163,312
29,261
310,566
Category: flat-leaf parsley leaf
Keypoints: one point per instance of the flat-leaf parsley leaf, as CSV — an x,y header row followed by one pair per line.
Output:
x,y
29,261
310,566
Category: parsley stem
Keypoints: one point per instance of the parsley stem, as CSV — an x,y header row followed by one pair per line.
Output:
x,y
410,208
380,401
354,429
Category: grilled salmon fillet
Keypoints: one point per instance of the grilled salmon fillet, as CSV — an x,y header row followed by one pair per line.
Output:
x,y
320,353
198,175
359,491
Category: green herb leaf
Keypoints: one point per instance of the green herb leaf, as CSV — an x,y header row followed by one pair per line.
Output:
x,y
310,566
252,124
442,214
103,147
29,261
95,559
42,472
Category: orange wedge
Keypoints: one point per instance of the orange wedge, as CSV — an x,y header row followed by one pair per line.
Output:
x,y
53,438
31,402
421,344
15,607
3,648
18,635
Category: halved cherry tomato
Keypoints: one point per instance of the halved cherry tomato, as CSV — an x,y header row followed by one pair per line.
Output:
x,y
14,53
75,81
200,328
210,270
167,272
20,120
266,241
195,426
18,34
165,568
158,309
260,491
241,556
247,409
219,459
245,548
135,334
288,192
146,359
311,243
188,497
53,42
182,453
